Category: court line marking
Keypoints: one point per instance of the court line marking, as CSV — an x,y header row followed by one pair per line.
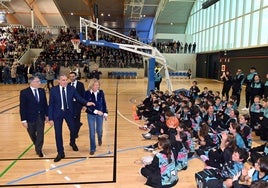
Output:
x,y
20,156
64,165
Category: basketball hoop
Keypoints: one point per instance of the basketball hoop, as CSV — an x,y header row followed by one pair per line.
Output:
x,y
76,43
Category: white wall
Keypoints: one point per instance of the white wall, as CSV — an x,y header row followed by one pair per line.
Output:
x,y
179,62
174,37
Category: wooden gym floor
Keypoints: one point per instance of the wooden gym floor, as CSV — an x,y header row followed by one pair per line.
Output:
x,y
20,166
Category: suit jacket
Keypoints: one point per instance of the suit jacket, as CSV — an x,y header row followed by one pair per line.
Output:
x,y
54,108
80,88
100,104
30,108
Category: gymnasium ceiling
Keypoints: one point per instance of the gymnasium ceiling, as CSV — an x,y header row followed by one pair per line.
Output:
x,y
171,16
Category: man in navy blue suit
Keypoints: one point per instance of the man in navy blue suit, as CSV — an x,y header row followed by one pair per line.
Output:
x,y
80,88
34,112
61,108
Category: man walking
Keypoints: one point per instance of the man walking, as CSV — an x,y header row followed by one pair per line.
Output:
x,y
34,112
61,108
80,88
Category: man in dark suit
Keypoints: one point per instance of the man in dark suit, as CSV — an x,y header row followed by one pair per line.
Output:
x,y
61,108
80,88
34,112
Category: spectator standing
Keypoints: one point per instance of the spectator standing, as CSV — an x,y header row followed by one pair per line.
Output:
x,y
86,72
194,47
190,48
157,79
238,80
248,80
13,71
50,75
20,76
77,71
6,74
185,47
227,83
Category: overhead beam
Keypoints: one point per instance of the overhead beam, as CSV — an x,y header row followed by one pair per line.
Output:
x,y
12,19
32,4
90,5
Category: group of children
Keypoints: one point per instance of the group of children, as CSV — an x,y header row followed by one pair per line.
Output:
x,y
208,126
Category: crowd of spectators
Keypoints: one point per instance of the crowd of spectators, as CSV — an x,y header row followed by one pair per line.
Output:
x,y
59,51
215,125
175,47
62,50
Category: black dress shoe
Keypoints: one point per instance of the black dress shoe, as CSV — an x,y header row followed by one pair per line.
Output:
x,y
40,154
74,146
91,152
100,142
59,157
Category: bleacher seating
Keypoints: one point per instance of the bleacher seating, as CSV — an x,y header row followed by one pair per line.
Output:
x,y
120,74
178,74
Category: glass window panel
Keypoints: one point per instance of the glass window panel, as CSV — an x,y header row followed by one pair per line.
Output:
x,y
245,34
215,36
221,11
207,18
203,41
212,16
265,2
227,9
256,4
255,29
240,4
247,6
238,33
210,38
200,22
226,35
231,35
206,39
232,9
264,28
220,34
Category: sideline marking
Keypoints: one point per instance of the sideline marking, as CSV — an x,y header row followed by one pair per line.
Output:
x,y
64,165
20,156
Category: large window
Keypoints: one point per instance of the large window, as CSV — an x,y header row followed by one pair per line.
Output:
x,y
247,6
245,33
265,3
238,33
255,29
233,9
263,27
240,7
230,24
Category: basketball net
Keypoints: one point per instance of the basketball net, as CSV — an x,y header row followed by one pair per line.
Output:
x,y
76,43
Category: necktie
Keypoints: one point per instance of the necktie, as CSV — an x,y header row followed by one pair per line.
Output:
x,y
36,95
72,84
65,105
